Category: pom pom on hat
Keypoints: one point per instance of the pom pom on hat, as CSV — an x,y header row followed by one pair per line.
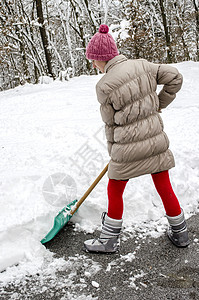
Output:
x,y
102,46
103,28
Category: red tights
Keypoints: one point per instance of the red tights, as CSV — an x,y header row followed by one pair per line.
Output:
x,y
163,186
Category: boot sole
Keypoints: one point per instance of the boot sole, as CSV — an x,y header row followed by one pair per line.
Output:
x,y
101,252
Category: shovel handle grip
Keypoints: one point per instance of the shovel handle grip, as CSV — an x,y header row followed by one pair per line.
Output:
x,y
89,190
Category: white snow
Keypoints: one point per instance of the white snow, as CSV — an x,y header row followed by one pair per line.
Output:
x,y
120,30
133,279
56,128
95,284
128,257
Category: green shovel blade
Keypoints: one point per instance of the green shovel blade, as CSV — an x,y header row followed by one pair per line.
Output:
x,y
59,222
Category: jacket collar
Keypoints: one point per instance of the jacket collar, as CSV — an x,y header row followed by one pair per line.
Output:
x,y
114,61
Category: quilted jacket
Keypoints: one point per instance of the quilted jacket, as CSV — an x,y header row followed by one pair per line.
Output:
x,y
130,105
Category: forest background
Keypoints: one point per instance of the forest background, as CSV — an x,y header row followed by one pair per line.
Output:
x,y
49,37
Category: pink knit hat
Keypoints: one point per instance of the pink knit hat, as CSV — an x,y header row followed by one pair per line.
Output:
x,y
102,46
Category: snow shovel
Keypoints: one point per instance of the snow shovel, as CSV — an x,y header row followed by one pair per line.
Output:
x,y
68,211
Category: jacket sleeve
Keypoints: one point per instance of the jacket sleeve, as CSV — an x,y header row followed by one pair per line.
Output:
x,y
107,113
172,81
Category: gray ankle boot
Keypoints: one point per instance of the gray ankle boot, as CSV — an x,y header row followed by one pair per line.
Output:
x,y
177,232
109,240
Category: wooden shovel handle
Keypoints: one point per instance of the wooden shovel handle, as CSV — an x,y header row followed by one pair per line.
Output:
x,y
89,190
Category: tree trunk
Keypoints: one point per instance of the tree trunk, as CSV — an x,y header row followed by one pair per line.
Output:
x,y
197,26
166,31
44,37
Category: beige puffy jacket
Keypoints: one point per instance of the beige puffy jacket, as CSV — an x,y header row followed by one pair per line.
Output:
x,y
129,107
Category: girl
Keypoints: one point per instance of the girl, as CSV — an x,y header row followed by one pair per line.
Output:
x,y
136,141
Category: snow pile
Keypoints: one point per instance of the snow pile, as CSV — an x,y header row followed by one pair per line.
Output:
x,y
50,130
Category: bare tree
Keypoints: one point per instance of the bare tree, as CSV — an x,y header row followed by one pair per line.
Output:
x,y
162,4
195,3
44,37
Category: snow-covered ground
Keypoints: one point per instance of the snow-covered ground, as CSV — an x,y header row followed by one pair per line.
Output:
x,y
53,146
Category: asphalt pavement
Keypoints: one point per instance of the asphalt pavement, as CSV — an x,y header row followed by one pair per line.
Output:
x,y
144,269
